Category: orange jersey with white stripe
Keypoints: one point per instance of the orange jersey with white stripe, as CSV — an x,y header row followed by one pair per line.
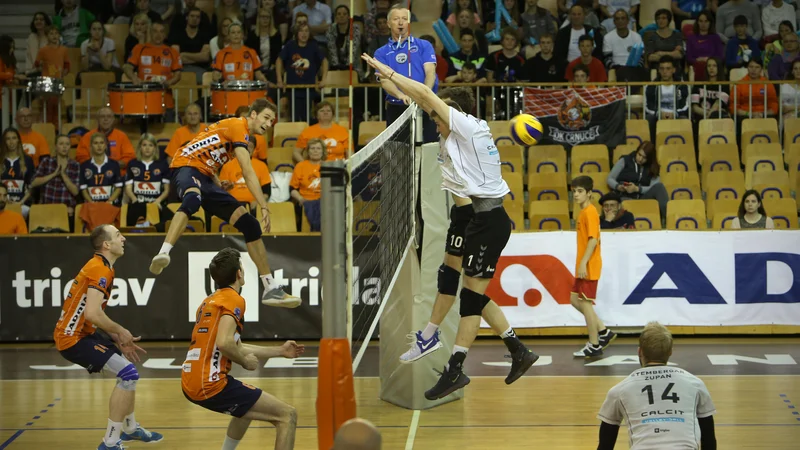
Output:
x,y
206,369
73,325
239,64
155,62
213,147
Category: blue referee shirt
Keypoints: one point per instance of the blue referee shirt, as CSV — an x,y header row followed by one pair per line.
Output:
x,y
398,56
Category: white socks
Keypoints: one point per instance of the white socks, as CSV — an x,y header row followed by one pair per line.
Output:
x,y
165,248
458,348
269,282
429,331
129,423
508,333
112,433
229,444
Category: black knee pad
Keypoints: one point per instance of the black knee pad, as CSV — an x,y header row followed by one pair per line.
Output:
x,y
472,303
191,203
249,227
448,280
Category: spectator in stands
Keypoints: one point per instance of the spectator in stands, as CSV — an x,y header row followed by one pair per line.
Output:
x,y
763,97
545,67
710,101
688,9
776,46
619,43
704,43
147,181
279,18
8,64
180,20
614,216
581,74
232,181
37,39
781,64
461,5
319,18
505,65
536,21
597,71
590,12
222,39
53,61
267,41
17,170
228,9
335,136
73,23
143,7
139,34
101,180
513,12
306,183
303,62
375,36
636,176
610,7
11,222
190,42
192,126
237,61
567,37
467,74
751,213
665,101
773,14
338,43
467,53
664,42
33,143
382,33
464,22
118,146
730,11
790,92
742,47
98,53
58,177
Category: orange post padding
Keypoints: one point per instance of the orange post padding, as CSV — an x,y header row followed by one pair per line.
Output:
x,y
336,398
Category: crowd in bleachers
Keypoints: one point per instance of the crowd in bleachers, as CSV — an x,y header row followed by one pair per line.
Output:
x,y
191,43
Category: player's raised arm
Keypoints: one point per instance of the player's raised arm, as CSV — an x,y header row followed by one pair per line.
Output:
x,y
229,346
418,92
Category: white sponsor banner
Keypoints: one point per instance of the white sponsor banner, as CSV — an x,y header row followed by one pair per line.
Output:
x,y
675,277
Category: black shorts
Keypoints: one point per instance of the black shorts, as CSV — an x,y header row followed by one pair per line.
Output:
x,y
91,352
235,399
214,199
459,218
485,238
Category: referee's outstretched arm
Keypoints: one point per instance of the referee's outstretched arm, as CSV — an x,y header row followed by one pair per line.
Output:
x,y
418,92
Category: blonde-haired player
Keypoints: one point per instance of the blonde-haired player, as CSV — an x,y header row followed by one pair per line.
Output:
x,y
664,407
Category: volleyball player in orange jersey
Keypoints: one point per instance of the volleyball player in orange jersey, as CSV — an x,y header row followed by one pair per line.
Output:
x,y
78,342
217,344
195,168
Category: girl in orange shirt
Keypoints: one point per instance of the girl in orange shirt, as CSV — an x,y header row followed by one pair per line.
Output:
x,y
306,185
8,65
742,92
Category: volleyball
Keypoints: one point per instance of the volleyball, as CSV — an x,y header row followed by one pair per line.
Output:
x,y
526,129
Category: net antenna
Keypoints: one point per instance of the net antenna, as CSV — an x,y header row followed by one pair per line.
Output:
x,y
380,225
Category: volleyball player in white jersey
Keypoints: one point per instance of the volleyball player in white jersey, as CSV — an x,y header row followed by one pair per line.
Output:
x,y
664,407
470,164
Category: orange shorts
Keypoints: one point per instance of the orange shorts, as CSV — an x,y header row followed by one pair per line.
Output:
x,y
586,289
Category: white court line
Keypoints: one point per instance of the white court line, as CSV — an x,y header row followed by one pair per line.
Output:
x,y
412,430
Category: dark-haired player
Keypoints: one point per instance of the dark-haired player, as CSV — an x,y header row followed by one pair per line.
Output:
x,y
587,268
216,344
470,165
77,341
195,167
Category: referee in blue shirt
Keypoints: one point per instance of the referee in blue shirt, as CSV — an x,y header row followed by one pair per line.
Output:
x,y
415,59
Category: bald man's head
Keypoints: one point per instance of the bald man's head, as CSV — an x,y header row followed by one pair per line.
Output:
x,y
357,434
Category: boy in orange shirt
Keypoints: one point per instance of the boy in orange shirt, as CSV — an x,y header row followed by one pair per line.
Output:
x,y
740,103
53,61
587,269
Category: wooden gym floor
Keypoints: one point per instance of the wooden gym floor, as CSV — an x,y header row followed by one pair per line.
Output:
x,y
47,404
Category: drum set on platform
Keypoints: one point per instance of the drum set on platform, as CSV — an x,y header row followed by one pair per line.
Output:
x,y
151,99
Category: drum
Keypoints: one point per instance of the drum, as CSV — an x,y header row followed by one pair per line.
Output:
x,y
142,100
227,97
46,86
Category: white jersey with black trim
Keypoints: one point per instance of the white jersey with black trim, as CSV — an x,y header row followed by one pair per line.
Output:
x,y
661,406
469,160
